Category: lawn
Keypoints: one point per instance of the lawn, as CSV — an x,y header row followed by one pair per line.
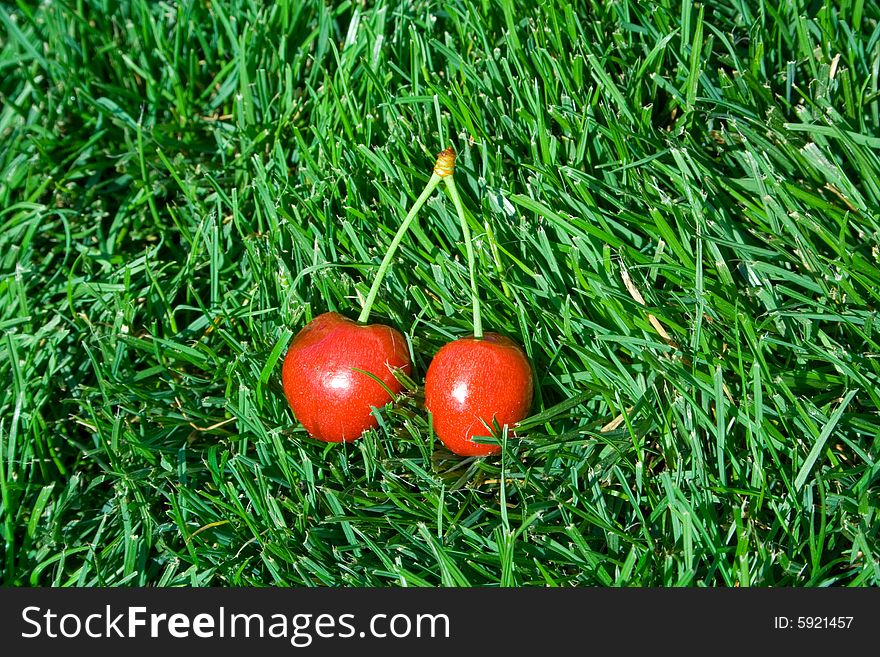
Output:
x,y
675,209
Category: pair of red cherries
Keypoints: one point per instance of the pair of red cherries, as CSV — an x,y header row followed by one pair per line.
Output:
x,y
337,371
328,377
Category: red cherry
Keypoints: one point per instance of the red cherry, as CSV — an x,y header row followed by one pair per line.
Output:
x,y
472,381
327,394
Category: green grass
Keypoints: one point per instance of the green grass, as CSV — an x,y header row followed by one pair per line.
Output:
x,y
184,185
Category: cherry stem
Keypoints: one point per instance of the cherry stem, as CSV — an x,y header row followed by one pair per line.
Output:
x,y
469,247
386,261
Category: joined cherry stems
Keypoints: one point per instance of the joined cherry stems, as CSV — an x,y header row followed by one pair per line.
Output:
x,y
443,170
